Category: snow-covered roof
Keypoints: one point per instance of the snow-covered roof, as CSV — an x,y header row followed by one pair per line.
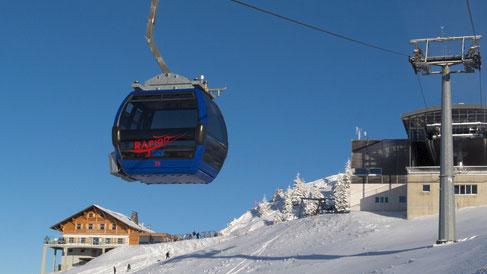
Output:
x,y
124,219
119,216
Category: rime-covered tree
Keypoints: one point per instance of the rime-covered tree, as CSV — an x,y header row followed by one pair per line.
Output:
x,y
299,190
278,199
263,208
310,207
288,208
341,191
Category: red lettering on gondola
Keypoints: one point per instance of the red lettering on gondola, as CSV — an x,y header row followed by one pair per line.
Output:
x,y
157,142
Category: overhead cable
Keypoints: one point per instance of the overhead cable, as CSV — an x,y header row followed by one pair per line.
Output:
x,y
317,28
469,10
422,90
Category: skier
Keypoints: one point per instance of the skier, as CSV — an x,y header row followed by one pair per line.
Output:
x,y
128,267
114,270
167,255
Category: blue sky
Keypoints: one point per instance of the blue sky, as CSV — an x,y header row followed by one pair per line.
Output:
x,y
294,98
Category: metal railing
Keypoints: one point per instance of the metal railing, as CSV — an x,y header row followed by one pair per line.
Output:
x,y
84,241
458,169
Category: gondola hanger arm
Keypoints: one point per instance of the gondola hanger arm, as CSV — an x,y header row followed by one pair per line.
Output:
x,y
150,39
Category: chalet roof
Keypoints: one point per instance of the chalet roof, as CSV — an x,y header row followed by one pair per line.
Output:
x,y
119,216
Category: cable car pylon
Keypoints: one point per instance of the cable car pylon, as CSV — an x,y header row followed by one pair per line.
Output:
x,y
425,62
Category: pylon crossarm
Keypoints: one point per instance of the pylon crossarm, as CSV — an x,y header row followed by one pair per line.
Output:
x,y
468,56
443,39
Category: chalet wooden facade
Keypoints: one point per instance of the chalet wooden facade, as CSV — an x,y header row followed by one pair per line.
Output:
x,y
94,231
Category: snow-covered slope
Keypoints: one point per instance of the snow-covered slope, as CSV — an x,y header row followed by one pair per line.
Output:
x,y
284,205
358,242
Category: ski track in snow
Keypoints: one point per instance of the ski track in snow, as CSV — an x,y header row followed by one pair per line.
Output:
x,y
244,263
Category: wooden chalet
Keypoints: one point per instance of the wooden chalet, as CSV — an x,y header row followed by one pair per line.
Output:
x,y
94,231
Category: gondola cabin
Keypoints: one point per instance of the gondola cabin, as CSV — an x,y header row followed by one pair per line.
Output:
x,y
169,131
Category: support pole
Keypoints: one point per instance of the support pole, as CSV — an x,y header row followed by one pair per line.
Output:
x,y
447,231
54,261
43,260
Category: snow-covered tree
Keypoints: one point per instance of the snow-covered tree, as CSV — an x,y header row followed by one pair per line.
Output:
x,y
263,208
288,208
341,191
278,199
310,207
298,191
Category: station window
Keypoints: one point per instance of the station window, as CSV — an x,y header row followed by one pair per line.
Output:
x,y
426,188
402,199
71,240
83,240
465,189
120,241
360,172
375,171
381,200
108,240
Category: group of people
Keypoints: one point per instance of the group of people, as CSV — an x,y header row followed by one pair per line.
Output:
x,y
129,267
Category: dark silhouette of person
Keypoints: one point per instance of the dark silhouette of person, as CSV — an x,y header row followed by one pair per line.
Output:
x,y
167,255
114,270
197,235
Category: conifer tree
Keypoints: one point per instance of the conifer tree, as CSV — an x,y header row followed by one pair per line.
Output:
x,y
341,191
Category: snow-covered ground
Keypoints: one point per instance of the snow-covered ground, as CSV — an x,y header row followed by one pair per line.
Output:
x,y
359,242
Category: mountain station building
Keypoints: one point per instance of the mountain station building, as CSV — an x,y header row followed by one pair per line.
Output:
x,y
93,231
403,174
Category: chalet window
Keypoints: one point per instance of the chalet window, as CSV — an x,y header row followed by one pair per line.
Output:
x,y
102,226
108,240
90,226
114,226
120,241
91,215
78,226
96,241
71,240
426,188
83,241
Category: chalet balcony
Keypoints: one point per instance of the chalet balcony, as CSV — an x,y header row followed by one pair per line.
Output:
x,y
72,241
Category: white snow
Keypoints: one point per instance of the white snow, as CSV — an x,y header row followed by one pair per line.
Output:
x,y
358,242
